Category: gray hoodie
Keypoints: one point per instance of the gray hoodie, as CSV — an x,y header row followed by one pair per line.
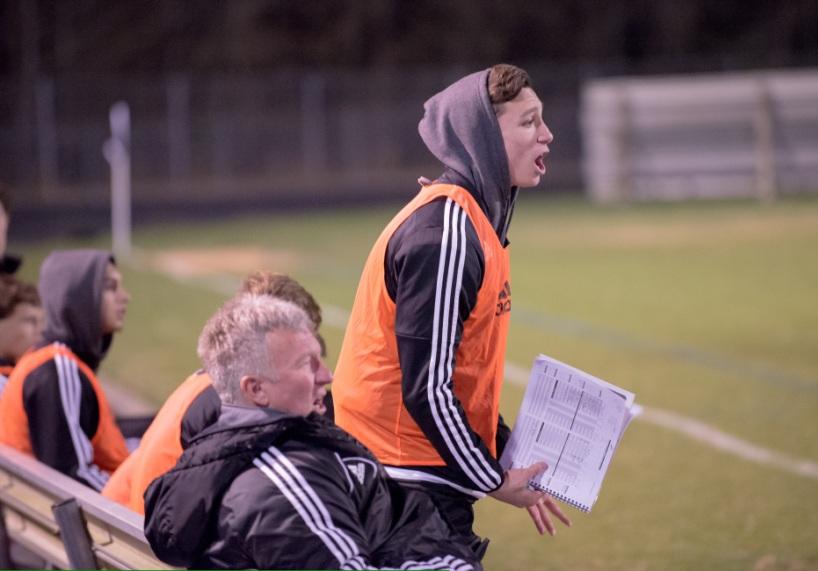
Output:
x,y
71,284
460,128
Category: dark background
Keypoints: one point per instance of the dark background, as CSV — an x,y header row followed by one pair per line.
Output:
x,y
57,36
250,104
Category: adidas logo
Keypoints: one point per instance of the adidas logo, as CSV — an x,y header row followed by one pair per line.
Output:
x,y
504,300
358,466
357,470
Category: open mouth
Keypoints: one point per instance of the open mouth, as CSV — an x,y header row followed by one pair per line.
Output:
x,y
318,405
539,163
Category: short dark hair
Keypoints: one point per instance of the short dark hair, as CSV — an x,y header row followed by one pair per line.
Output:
x,y
284,287
13,292
505,82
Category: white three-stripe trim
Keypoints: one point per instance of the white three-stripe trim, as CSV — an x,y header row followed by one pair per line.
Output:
x,y
450,423
276,466
71,395
286,477
448,562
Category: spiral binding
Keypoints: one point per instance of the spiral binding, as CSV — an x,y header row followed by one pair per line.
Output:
x,y
559,496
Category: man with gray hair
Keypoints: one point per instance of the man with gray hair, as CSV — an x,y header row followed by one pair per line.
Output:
x,y
272,484
270,340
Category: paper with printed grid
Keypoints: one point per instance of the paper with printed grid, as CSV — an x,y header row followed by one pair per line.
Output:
x,y
573,421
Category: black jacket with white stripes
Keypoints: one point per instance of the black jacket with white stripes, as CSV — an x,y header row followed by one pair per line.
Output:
x,y
61,404
460,128
259,489
412,262
63,417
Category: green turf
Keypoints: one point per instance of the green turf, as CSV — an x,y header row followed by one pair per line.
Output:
x,y
707,309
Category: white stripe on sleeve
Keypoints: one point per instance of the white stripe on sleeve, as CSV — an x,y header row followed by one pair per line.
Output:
x,y
310,507
470,459
70,387
449,562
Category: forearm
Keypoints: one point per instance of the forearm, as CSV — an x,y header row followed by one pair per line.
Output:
x,y
429,397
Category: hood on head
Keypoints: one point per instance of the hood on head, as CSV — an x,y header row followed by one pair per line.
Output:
x,y
70,286
460,128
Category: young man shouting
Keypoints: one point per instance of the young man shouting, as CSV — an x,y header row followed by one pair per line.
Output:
x,y
419,375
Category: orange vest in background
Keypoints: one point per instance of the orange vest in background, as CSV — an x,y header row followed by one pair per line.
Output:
x,y
159,449
367,381
108,444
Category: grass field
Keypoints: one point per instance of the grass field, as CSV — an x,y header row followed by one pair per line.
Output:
x,y
708,310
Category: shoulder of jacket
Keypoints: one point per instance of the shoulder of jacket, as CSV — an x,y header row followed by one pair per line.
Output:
x,y
433,211
42,376
271,475
426,226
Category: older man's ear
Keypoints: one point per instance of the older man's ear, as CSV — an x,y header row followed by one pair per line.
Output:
x,y
252,391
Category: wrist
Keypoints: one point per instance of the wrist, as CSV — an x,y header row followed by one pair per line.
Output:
x,y
502,486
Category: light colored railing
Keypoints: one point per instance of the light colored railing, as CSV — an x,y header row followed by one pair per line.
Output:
x,y
66,524
701,136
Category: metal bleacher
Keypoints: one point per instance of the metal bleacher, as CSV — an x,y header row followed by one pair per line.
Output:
x,y
65,524
701,136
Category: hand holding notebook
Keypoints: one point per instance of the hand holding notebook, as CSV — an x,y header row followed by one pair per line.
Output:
x,y
574,422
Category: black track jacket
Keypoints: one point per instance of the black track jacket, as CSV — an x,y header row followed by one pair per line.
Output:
x,y
460,128
263,490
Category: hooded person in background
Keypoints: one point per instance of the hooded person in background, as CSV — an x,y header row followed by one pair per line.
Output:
x,y
275,485
420,371
54,407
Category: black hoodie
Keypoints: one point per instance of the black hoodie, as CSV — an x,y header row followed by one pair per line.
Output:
x,y
460,128
259,489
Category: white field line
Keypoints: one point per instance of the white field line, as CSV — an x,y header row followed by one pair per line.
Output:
x,y
337,317
704,433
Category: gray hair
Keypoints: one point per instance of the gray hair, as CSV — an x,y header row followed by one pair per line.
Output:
x,y
233,342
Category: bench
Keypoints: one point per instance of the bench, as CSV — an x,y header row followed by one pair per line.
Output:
x,y
65,523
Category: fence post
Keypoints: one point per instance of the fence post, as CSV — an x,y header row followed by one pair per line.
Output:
x,y
179,129
605,121
74,535
764,128
313,123
45,109
117,151
626,180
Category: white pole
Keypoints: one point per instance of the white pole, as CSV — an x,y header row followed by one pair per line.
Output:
x,y
765,145
118,153
604,123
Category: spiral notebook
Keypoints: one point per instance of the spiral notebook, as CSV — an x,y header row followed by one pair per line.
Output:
x,y
574,422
